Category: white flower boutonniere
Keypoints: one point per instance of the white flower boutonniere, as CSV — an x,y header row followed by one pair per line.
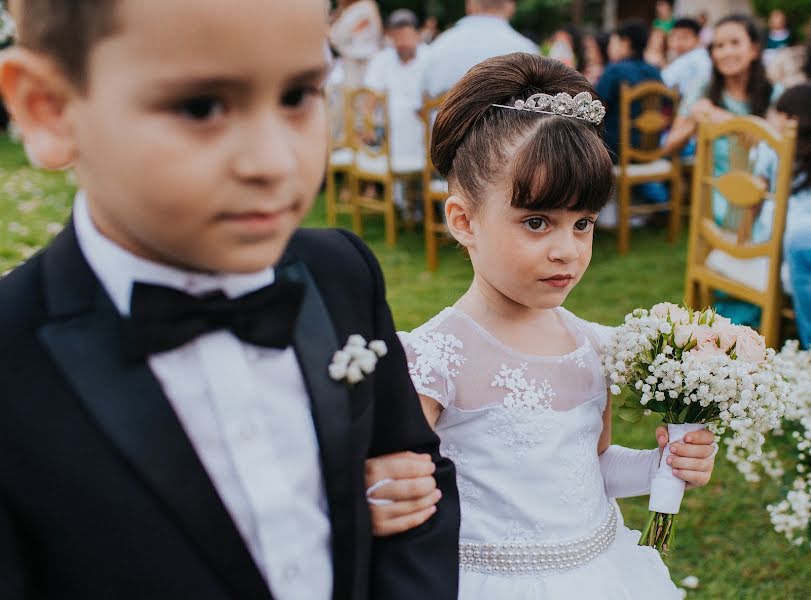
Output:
x,y
357,359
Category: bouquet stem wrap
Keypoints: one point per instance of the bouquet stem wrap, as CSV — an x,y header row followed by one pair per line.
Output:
x,y
667,490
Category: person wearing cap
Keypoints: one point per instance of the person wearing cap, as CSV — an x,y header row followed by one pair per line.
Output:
x,y
397,71
485,32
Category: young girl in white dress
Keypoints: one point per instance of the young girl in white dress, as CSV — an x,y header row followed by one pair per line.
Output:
x,y
512,381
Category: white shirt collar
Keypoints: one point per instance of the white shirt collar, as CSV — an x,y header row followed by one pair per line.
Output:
x,y
482,20
118,269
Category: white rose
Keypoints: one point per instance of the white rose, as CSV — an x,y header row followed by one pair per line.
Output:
x,y
750,346
727,335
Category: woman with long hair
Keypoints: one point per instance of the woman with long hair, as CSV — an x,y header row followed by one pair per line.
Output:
x,y
737,86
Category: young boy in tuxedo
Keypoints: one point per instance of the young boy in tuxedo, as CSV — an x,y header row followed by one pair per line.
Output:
x,y
168,424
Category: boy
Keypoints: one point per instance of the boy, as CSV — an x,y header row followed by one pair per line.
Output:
x,y
169,425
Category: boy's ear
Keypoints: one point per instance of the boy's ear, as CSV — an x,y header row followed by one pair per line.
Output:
x,y
37,95
457,217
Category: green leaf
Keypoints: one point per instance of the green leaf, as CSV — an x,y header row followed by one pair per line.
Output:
x,y
631,414
683,414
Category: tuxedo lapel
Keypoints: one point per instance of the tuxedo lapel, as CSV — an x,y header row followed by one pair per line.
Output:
x,y
315,342
128,404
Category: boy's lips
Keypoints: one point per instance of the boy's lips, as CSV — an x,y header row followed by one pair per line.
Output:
x,y
257,220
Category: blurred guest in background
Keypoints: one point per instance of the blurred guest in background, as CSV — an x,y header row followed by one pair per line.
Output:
x,y
626,48
397,71
778,35
430,30
656,48
567,47
485,32
690,61
706,29
664,15
737,86
357,35
596,55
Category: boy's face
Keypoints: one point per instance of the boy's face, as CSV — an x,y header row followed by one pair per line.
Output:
x,y
201,140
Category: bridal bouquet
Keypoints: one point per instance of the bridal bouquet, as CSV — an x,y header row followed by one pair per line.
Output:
x,y
694,368
789,459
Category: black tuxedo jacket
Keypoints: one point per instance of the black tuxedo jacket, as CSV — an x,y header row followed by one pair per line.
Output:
x,y
101,493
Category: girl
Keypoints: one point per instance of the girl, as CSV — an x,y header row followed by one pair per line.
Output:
x,y
738,86
511,381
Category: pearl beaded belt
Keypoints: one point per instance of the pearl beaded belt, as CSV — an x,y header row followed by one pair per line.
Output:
x,y
521,558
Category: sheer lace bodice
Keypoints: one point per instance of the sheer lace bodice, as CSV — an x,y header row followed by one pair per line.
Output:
x,y
522,429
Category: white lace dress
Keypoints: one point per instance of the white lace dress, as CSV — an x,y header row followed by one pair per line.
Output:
x,y
523,430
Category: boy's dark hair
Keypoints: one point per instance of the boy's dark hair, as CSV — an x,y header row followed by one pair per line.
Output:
x,y
796,102
636,32
562,161
64,30
688,23
758,88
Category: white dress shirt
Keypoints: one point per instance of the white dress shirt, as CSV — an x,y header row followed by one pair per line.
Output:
x,y
402,82
688,68
247,413
473,39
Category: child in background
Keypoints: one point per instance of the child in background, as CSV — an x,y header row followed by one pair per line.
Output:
x,y
511,381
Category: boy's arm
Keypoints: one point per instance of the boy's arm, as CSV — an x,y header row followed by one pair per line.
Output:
x,y
422,562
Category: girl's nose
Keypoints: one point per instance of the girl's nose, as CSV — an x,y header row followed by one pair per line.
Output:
x,y
564,248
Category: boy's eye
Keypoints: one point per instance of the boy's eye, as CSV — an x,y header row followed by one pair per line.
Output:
x,y
535,224
584,225
296,97
201,109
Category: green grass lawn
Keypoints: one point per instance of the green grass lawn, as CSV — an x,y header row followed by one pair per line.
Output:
x,y
724,534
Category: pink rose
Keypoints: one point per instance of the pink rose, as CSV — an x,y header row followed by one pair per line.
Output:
x,y
728,335
707,345
700,333
676,313
750,346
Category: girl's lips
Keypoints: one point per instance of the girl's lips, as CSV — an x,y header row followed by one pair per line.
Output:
x,y
559,281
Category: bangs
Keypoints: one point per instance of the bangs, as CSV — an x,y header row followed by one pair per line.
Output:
x,y
562,165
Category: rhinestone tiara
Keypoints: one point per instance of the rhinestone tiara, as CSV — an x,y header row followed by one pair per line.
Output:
x,y
582,106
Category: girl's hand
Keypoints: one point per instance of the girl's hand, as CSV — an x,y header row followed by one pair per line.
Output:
x,y
412,492
692,459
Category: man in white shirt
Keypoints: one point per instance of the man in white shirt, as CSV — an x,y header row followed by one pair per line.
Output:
x,y
692,62
485,32
397,71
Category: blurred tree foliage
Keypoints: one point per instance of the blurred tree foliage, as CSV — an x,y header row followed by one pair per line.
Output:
x,y
798,14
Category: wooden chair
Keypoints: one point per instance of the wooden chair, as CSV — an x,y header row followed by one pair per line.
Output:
x,y
726,260
434,191
341,158
642,158
370,137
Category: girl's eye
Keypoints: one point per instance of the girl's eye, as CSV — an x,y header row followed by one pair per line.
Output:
x,y
535,224
584,225
295,98
201,109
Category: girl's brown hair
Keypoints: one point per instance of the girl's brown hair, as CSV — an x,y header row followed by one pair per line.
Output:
x,y
561,161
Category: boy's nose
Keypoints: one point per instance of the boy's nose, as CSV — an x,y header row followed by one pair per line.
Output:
x,y
267,152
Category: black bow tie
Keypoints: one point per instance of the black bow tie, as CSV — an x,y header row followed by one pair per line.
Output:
x,y
162,318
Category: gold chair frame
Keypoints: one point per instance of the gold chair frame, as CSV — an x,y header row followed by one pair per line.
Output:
x,y
436,232
339,140
651,123
744,191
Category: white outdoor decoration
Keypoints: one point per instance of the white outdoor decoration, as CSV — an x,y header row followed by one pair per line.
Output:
x,y
357,359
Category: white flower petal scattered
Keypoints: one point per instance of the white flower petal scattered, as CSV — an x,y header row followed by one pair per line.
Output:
x,y
690,582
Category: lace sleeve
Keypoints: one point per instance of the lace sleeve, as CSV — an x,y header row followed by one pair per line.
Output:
x,y
433,362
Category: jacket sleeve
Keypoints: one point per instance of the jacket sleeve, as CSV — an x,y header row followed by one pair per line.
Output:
x,y
13,576
422,562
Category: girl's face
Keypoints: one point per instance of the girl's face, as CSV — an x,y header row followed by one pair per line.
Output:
x,y
533,258
732,50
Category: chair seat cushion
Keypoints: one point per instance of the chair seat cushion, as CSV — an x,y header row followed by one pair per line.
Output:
x,y
751,272
657,167
341,157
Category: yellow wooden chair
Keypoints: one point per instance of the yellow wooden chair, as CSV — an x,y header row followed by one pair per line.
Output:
x,y
641,157
341,158
370,137
726,260
434,191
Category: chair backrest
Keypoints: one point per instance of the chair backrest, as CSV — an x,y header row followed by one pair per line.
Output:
x,y
369,125
742,191
430,106
338,114
647,110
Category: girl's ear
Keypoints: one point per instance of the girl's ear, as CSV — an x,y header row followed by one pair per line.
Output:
x,y
458,218
37,95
